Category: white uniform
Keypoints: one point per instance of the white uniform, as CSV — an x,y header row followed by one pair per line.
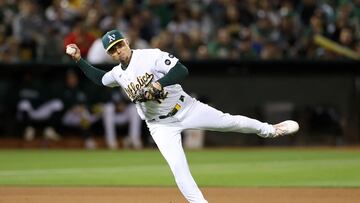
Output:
x,y
177,112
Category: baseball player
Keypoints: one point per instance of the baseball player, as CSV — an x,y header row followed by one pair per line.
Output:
x,y
151,78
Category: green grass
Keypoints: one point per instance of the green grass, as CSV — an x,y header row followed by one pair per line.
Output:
x,y
250,168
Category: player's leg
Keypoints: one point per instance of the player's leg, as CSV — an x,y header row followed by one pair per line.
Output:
x,y
109,125
44,116
134,126
78,118
203,116
168,139
128,116
24,108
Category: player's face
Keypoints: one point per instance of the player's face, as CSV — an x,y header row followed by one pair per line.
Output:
x,y
120,51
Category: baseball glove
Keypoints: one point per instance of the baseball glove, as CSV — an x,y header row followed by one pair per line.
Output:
x,y
150,93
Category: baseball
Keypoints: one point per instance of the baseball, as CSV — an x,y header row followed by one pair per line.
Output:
x,y
70,50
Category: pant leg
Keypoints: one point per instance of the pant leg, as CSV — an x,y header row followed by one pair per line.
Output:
x,y
47,114
134,126
45,111
109,125
168,139
129,116
78,120
24,109
203,116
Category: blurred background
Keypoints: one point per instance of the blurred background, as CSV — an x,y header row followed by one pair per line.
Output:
x,y
268,59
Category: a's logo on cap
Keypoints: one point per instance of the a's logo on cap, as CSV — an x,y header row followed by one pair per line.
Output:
x,y
111,38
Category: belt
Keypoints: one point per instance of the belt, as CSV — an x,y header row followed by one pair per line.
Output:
x,y
173,111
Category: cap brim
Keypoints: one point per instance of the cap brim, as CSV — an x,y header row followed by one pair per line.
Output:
x,y
112,44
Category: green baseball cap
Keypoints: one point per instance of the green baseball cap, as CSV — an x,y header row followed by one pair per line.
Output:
x,y
110,38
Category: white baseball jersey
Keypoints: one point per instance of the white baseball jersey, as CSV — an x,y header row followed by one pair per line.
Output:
x,y
146,66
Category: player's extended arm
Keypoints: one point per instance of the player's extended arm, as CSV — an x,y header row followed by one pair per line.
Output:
x,y
94,74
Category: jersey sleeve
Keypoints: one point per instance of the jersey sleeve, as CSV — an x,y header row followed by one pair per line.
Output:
x,y
165,61
108,80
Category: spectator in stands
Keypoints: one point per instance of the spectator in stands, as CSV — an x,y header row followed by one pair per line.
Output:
x,y
222,46
346,37
357,47
151,25
135,40
266,9
115,19
37,109
160,9
270,51
202,52
195,40
182,46
81,36
92,21
180,23
306,10
119,111
317,26
76,114
355,18
217,10
233,25
264,30
9,47
59,16
289,33
163,41
246,47
28,29
200,21
7,12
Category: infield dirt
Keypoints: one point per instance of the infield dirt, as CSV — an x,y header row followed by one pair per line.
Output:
x,y
172,195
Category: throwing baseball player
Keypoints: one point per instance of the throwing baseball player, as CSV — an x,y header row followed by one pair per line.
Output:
x,y
151,78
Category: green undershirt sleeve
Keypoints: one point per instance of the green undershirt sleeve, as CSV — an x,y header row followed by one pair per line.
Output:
x,y
94,74
175,75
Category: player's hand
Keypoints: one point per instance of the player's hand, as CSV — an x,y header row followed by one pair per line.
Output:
x,y
157,86
153,92
75,55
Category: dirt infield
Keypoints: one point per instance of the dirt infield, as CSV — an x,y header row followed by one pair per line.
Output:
x,y
172,195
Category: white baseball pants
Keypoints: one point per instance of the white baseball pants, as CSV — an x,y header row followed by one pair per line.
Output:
x,y
111,119
166,134
43,112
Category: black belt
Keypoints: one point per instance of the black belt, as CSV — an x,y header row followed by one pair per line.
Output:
x,y
174,110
